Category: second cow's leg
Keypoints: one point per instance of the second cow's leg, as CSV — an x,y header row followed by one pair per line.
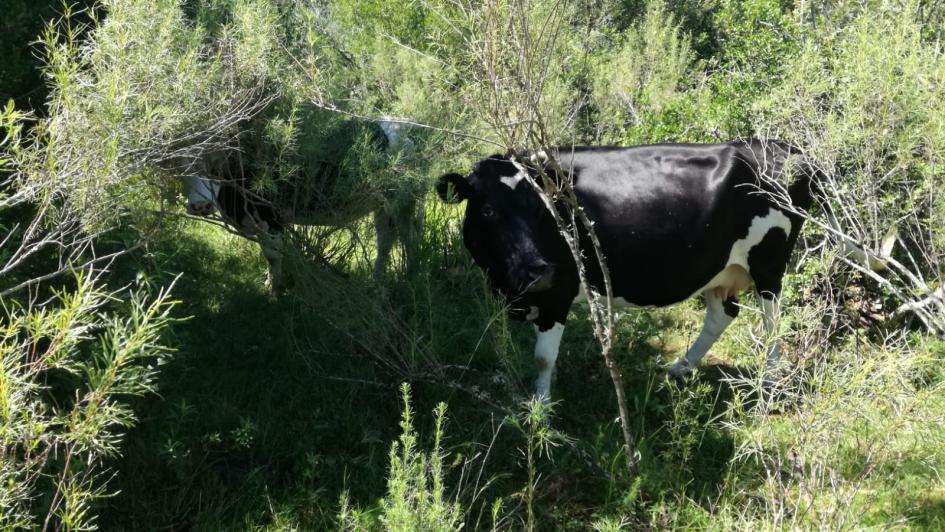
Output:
x,y
273,248
719,314
384,229
411,232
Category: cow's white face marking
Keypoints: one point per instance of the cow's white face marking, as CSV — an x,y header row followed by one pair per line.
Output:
x,y
546,353
396,138
539,157
201,195
513,181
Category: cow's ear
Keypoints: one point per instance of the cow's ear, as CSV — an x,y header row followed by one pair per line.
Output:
x,y
453,188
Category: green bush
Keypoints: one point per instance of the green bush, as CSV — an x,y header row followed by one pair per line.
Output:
x,y
67,374
21,76
645,76
153,84
865,97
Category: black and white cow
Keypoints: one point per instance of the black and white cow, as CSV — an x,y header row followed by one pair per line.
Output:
x,y
674,221
263,220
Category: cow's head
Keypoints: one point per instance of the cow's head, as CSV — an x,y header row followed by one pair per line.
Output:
x,y
507,229
201,195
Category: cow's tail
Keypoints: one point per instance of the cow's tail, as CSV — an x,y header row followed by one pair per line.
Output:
x,y
807,181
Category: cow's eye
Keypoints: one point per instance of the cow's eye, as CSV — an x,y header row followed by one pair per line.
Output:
x,y
488,211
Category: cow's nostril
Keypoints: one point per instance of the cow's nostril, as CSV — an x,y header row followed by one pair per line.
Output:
x,y
538,278
537,272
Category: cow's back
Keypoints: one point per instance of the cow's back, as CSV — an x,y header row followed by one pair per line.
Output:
x,y
666,215
330,174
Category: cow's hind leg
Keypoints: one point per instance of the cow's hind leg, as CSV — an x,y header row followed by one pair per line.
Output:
x,y
385,230
719,313
767,263
771,311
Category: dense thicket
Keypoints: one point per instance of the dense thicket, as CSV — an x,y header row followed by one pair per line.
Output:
x,y
281,415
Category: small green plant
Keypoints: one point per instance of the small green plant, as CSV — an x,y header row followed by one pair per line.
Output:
x,y
534,423
415,490
687,425
415,497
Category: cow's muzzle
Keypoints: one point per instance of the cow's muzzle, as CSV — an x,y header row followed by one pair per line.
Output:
x,y
537,278
200,208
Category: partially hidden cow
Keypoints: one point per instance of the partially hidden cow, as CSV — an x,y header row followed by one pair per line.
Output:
x,y
264,219
674,221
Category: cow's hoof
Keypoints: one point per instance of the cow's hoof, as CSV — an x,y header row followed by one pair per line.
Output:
x,y
274,291
541,394
773,378
680,372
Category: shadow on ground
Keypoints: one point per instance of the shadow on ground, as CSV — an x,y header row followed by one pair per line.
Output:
x,y
270,410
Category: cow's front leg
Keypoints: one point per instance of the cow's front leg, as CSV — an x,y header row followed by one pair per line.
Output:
x,y
719,314
546,353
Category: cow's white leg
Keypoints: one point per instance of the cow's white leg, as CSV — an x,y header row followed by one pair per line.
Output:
x,y
771,310
718,316
273,248
546,353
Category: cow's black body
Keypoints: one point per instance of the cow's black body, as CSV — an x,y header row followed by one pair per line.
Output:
x,y
667,217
